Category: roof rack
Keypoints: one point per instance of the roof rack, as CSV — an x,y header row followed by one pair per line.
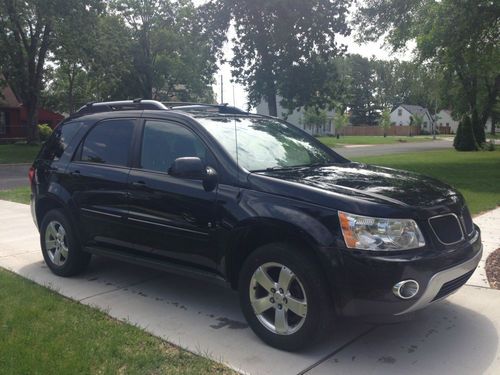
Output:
x,y
204,107
123,105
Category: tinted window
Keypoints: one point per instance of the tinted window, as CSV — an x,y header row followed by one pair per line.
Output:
x,y
163,142
260,143
109,142
60,139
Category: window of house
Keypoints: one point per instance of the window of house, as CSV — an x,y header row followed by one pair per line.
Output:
x,y
425,124
109,142
447,124
163,142
3,122
400,112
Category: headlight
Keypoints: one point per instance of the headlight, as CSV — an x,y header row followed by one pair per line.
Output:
x,y
373,233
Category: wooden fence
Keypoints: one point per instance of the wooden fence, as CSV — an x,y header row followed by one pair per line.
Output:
x,y
403,130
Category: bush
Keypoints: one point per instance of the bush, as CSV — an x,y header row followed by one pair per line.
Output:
x,y
464,139
45,132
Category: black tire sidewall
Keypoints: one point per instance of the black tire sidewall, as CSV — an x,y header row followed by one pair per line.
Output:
x,y
77,259
308,272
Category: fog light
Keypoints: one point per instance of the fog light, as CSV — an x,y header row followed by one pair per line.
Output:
x,y
405,289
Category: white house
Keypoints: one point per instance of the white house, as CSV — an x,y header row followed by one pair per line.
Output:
x,y
444,118
403,113
297,118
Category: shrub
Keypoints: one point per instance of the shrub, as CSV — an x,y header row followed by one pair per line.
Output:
x,y
45,132
464,139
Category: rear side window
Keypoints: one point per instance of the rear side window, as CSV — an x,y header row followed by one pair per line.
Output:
x,y
108,142
163,142
60,139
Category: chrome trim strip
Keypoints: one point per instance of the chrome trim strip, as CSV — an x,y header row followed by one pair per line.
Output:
x,y
439,279
167,226
459,225
100,212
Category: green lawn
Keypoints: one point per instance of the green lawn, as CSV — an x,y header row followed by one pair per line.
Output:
x,y
44,333
18,153
475,174
370,140
19,195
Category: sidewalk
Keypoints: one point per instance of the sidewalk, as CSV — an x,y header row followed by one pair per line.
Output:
x,y
460,335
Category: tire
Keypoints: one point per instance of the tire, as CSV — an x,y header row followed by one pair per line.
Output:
x,y
60,248
312,311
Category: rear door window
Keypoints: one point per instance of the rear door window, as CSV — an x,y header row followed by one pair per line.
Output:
x,y
109,142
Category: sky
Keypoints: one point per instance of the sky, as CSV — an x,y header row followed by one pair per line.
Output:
x,y
235,94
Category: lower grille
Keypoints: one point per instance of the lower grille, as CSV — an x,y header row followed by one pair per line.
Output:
x,y
447,228
453,285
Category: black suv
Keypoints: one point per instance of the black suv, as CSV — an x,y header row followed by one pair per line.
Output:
x,y
302,233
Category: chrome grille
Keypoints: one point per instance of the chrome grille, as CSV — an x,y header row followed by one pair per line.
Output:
x,y
447,228
467,221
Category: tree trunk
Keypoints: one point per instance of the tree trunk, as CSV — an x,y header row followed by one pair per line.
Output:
x,y
271,104
32,121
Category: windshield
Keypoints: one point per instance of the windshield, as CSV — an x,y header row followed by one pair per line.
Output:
x,y
264,143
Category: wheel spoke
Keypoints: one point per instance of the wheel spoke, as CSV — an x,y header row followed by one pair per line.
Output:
x,y
64,251
50,244
298,307
263,279
285,277
57,257
61,231
52,229
280,321
261,304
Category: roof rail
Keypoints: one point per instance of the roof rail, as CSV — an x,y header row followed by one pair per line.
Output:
x,y
123,105
204,107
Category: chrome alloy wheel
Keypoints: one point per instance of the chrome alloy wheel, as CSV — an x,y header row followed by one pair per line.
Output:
x,y
56,243
278,298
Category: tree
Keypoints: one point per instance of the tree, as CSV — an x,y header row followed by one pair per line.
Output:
x,y
282,48
459,36
340,121
29,31
464,139
385,120
315,118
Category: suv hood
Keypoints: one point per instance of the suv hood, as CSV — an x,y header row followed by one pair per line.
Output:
x,y
375,183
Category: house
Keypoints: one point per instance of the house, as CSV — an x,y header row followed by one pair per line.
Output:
x,y
446,123
403,113
14,115
297,118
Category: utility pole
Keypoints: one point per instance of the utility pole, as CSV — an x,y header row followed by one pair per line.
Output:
x,y
221,90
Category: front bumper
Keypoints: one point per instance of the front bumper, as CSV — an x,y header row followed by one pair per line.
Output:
x,y
437,287
363,283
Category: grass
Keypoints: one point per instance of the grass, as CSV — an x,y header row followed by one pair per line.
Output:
x,y
18,153
19,195
44,333
475,174
370,140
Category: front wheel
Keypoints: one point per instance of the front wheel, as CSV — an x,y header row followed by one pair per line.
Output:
x,y
283,296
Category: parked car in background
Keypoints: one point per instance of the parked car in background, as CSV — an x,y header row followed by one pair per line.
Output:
x,y
302,233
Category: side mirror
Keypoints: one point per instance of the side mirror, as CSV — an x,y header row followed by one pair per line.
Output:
x,y
188,167
193,168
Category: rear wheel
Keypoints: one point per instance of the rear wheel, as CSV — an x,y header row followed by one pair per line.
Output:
x,y
60,248
283,296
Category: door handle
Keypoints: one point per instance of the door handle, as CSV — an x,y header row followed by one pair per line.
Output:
x,y
74,173
138,183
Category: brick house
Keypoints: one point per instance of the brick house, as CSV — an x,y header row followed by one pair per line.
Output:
x,y
14,116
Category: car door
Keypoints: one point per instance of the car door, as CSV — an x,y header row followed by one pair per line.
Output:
x,y
172,216
97,181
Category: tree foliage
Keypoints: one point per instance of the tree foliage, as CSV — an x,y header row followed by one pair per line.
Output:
x,y
460,36
385,120
282,48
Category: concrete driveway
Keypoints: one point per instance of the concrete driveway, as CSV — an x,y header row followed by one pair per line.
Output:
x,y
396,148
13,176
460,335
